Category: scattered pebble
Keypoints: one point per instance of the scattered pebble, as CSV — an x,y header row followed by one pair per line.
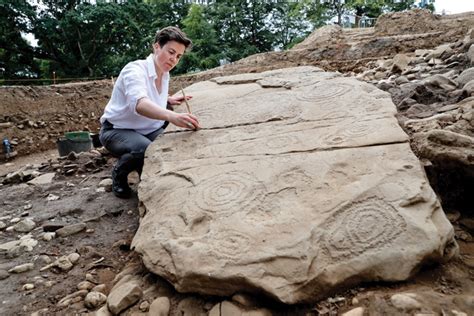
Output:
x,y
24,226
71,229
144,306
27,287
73,257
94,300
160,307
44,259
358,311
49,236
52,197
15,220
22,268
406,301
102,288
85,285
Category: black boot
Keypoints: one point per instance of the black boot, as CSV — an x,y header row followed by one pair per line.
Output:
x,y
126,164
120,177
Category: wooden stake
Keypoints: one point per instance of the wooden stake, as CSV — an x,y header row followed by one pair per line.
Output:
x,y
186,102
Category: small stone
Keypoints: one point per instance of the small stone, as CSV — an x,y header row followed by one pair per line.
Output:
x,y
73,257
4,274
406,301
160,307
71,229
27,243
2,225
52,197
244,300
27,207
358,311
49,283
85,285
22,268
123,295
63,263
49,236
90,231
44,259
144,306
27,287
15,220
355,301
106,184
94,300
41,312
38,280
43,179
228,308
456,313
90,278
102,288
104,311
66,301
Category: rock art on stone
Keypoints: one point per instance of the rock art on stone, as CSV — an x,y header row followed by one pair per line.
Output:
x,y
292,190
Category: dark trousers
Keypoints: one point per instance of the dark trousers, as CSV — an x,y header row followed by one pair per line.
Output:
x,y
127,141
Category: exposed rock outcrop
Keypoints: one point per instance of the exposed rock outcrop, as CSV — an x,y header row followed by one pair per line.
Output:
x,y
299,183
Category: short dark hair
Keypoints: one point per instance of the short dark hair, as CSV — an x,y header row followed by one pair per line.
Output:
x,y
171,33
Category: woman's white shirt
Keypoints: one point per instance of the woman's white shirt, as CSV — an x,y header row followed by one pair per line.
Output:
x,y
136,81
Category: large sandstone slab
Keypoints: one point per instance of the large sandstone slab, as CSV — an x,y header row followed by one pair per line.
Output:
x,y
299,183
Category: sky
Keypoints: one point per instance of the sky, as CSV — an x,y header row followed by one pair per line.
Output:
x,y
454,6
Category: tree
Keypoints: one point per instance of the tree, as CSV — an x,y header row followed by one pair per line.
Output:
x,y
16,54
205,52
87,40
242,26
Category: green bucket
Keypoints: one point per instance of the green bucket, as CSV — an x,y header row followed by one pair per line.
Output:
x,y
78,136
74,141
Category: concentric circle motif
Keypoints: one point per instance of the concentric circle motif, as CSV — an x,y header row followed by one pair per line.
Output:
x,y
346,134
324,92
208,117
231,244
229,192
359,227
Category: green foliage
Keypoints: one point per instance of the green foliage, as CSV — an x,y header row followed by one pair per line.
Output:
x,y
205,52
83,39
16,54
92,40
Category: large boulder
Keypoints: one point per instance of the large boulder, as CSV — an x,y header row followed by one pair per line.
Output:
x,y
300,182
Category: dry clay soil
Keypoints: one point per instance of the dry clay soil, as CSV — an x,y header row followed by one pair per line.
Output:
x,y
111,224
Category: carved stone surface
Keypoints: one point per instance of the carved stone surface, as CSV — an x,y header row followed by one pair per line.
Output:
x,y
299,182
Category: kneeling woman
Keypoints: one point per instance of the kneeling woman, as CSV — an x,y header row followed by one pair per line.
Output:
x,y
137,111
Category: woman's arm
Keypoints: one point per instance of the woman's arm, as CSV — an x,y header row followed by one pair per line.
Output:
x,y
148,108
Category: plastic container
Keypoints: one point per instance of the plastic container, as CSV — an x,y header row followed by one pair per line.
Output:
x,y
66,146
79,135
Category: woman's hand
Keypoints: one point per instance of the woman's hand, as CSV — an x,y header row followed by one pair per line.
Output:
x,y
184,120
176,100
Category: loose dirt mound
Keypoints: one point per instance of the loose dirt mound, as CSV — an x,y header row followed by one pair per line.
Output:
x,y
411,22
36,116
